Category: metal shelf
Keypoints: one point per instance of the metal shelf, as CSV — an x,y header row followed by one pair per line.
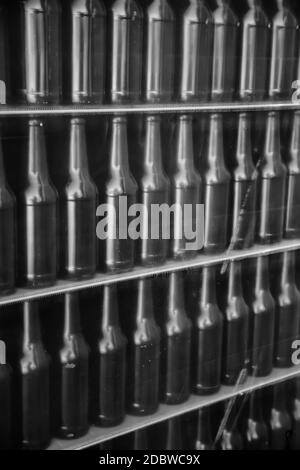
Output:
x,y
87,110
131,423
64,286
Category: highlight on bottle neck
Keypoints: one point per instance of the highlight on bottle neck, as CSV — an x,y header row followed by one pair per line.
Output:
x,y
208,290
153,142
176,297
119,143
235,279
145,300
37,159
72,314
254,3
78,149
185,149
295,142
216,144
31,323
288,268
244,146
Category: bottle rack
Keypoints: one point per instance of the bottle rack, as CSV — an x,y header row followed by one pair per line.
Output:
x,y
98,435
130,424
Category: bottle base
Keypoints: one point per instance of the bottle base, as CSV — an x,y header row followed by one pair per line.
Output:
x,y
139,411
206,390
36,445
175,399
101,422
64,433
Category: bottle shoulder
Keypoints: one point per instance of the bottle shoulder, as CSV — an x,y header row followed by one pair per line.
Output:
x,y
236,308
39,192
74,347
126,9
210,316
154,181
34,358
186,177
177,323
289,295
112,339
263,301
285,18
256,17
121,183
160,10
224,15
198,13
80,186
94,8
146,331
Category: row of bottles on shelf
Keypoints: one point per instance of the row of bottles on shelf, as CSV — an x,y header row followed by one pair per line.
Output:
x,y
151,51
247,197
265,419
168,342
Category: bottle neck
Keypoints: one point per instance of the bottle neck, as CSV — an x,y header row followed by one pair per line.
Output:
x,y
176,299
37,159
244,146
255,406
153,157
235,279
279,397
110,311
72,315
204,426
288,268
31,321
215,154
272,146
78,151
208,286
185,149
254,3
119,145
295,143
145,300
2,171
262,274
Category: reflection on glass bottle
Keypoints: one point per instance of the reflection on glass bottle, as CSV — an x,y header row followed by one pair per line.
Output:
x,y
120,191
207,340
78,209
176,345
41,55
186,190
73,374
111,363
196,52
159,52
204,440
231,437
87,60
262,319
255,49
154,189
173,437
125,45
7,233
283,54
280,420
292,215
37,219
224,52
257,433
143,368
287,319
236,315
271,186
216,180
34,381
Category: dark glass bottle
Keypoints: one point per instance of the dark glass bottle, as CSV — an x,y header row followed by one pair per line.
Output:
x,y
176,345
231,438
204,440
216,180
186,193
244,188
173,435
280,420
5,400
283,53
295,435
110,373
292,214
154,189
7,233
287,319
120,191
271,186
255,49
262,320
78,209
37,220
125,23
41,51
256,433
72,373
207,344
196,52
143,368
35,383
87,59
224,52
159,52
236,318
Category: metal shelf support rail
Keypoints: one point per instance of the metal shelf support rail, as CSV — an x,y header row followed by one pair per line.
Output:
x,y
131,423
64,286
85,110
